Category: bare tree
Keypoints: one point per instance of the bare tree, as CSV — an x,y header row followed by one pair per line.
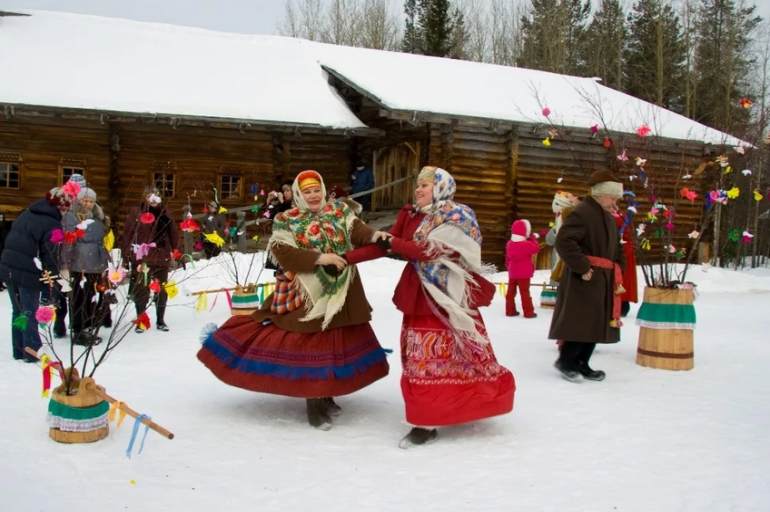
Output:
x,y
505,29
477,30
301,19
379,26
341,23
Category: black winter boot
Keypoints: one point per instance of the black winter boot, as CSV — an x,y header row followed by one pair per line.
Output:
x,y
332,409
590,374
316,414
418,436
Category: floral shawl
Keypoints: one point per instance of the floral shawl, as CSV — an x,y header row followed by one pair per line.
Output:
x,y
326,231
450,229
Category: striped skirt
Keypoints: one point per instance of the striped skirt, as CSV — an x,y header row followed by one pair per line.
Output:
x,y
265,358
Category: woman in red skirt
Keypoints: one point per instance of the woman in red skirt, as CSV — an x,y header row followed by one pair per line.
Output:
x,y
312,338
450,374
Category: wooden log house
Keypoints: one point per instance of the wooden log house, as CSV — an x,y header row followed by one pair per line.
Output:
x,y
502,168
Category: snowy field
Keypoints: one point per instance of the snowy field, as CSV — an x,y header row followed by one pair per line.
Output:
x,y
642,440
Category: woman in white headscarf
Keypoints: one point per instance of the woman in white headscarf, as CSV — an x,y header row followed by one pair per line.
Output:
x,y
450,373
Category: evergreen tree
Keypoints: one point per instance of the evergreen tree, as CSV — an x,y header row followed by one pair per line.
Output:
x,y
551,33
432,29
655,55
602,48
411,42
722,62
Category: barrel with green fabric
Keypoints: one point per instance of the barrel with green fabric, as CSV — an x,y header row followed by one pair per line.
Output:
x,y
666,322
80,417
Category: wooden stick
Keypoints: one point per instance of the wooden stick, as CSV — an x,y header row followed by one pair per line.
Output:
x,y
128,410
201,292
541,285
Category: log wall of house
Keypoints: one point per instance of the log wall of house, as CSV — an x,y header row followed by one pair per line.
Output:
x,y
42,146
507,173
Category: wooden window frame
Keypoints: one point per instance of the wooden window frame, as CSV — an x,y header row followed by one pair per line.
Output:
x,y
72,163
11,159
162,187
238,196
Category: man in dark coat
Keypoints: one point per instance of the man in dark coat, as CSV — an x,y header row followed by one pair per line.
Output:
x,y
149,238
361,179
587,309
27,245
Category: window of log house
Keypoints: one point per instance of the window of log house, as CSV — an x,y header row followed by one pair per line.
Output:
x,y
69,167
166,183
10,171
230,186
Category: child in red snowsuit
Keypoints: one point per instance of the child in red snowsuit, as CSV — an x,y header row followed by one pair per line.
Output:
x,y
518,260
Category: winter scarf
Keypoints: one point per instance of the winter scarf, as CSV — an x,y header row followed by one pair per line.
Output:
x,y
327,231
451,228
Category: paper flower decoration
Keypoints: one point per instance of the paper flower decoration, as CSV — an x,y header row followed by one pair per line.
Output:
x,y
733,193
176,255
198,245
546,111
669,226
84,225
20,323
688,194
222,209
607,143
640,229
594,130
45,314
746,172
154,286
57,236
116,275
142,321
745,102
734,235
640,161
215,239
670,248
255,209
71,237
645,244
747,237
172,290
693,234
687,176
142,250
740,150
553,133
71,189
147,218
643,130
189,226
154,199
623,156
547,142
757,196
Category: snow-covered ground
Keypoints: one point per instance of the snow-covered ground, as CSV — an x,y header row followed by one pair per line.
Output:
x,y
642,440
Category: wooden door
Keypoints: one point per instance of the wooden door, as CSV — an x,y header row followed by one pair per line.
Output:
x,y
391,164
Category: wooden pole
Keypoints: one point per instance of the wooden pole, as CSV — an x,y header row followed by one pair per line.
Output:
x,y
201,292
122,405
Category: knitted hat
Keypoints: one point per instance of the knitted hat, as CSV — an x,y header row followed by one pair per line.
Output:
x,y
59,197
561,200
79,179
604,183
520,230
86,192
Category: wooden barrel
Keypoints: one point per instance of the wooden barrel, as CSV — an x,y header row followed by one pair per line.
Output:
x,y
80,417
245,301
666,321
548,297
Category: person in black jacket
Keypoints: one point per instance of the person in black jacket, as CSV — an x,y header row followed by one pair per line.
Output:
x,y
29,251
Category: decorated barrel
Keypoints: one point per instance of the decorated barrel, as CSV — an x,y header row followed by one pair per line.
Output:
x,y
80,417
245,301
667,320
548,296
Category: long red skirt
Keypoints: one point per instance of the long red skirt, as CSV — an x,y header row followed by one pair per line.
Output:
x,y
265,358
445,381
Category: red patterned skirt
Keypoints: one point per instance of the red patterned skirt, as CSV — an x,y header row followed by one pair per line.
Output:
x,y
446,382
265,358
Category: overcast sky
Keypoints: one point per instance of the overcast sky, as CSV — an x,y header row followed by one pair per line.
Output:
x,y
245,16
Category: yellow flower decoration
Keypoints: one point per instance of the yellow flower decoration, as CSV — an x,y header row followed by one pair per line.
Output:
x,y
547,142
172,290
222,209
645,244
757,196
733,193
215,239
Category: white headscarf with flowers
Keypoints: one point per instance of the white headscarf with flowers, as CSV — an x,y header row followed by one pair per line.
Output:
x,y
450,230
328,230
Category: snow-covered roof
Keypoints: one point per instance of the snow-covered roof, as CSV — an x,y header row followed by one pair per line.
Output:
x,y
79,61
461,88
